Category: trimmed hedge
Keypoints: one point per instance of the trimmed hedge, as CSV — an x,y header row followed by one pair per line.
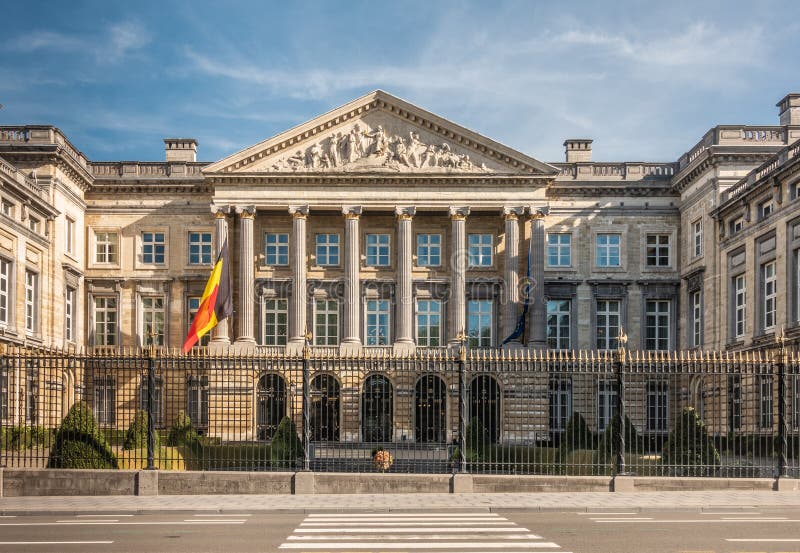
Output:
x,y
690,451
606,452
136,436
79,443
577,434
182,432
286,447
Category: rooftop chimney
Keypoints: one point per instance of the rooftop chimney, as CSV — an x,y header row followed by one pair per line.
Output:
x,y
789,109
180,149
578,149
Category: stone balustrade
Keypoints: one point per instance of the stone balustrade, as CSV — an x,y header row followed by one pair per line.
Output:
x,y
735,135
25,182
760,173
621,171
137,170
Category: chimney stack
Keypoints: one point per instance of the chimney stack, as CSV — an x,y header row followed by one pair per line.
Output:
x,y
578,149
181,149
789,109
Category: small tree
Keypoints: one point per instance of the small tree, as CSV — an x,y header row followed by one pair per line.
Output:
x,y
606,448
286,447
577,434
182,432
79,443
690,451
136,436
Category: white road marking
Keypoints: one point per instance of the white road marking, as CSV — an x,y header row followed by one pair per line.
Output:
x,y
382,515
730,513
616,519
703,520
421,545
368,524
393,530
98,516
223,515
413,537
88,521
215,520
109,523
754,518
55,542
605,514
406,519
763,539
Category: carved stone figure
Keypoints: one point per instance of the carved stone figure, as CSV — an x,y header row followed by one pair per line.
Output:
x,y
354,144
333,149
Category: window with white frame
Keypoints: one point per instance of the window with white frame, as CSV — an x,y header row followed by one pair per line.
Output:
x,y
327,249
429,250
158,399
796,417
429,320
6,303
796,284
608,250
192,305
480,326
7,208
607,324
696,304
31,302
734,393
105,321
658,250
197,400
560,402
35,224
606,403
479,250
378,252
69,314
326,322
558,324
736,224
378,318
697,238
770,295
69,235
275,314
276,248
657,405
765,401
739,305
105,399
5,395
154,247
559,249
106,245
153,321
32,391
765,209
199,248
657,324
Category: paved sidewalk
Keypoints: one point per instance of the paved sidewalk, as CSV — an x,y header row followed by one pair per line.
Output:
x,y
585,501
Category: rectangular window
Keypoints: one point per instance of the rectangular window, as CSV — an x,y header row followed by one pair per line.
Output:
x,y
479,250
326,325
69,236
480,328
154,248
5,395
770,295
378,254
153,322
327,249
105,321
34,224
696,302
197,400
32,391
199,248
658,250
559,249
158,399
105,400
558,324
657,325
5,291
697,238
31,302
796,284
106,245
734,403
607,324
7,208
657,402
765,401
275,317
606,403
736,225
69,314
608,250
740,305
276,249
796,417
429,250
192,305
765,209
378,317
560,399
429,319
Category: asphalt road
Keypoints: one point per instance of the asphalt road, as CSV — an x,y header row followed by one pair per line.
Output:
x,y
690,531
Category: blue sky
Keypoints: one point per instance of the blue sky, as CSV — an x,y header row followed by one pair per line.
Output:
x,y
645,80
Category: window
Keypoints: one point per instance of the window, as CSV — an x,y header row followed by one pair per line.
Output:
x,y
480,250
734,402
696,302
158,399
770,295
765,401
105,400
606,403
608,250
740,305
105,248
69,314
558,324
736,225
796,417
105,321
697,238
378,250
32,391
560,399
658,250
192,305
69,236
429,318
327,249
153,248
153,325
276,249
378,312
31,302
5,396
275,316
796,191
559,249
197,400
657,325
199,248
765,209
326,325
7,208
35,224
479,323
657,402
607,326
5,291
429,250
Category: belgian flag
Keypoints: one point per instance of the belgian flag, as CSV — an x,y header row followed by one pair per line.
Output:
x,y
216,303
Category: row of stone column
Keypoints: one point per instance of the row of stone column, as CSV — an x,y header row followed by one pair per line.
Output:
x,y
404,340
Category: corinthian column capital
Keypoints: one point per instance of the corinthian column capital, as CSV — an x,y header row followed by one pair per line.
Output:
x,y
459,213
352,211
405,212
539,211
246,211
512,212
298,211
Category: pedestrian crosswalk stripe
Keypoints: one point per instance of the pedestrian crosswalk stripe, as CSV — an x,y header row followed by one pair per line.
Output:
x,y
412,537
404,523
426,545
393,530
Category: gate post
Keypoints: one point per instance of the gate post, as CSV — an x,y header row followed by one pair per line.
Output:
x,y
783,443
619,428
151,422
462,408
306,404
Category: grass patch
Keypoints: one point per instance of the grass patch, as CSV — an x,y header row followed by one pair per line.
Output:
x,y
166,458
205,455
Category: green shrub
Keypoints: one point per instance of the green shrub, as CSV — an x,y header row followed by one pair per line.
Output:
x,y
477,438
606,450
136,436
689,450
24,437
286,447
182,432
79,443
577,434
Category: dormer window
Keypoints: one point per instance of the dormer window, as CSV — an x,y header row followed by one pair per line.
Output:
x,y
765,209
736,224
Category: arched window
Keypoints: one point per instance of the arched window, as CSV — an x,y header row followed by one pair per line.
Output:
x,y
376,409
324,408
484,403
270,405
431,401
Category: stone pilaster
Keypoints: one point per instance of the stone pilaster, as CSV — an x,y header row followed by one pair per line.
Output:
x,y
298,308
457,306
351,341
537,321
220,337
404,335
245,339
511,275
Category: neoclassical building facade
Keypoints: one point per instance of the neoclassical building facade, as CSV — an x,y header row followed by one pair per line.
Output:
x,y
381,225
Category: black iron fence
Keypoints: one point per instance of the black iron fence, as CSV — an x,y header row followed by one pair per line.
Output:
x,y
517,412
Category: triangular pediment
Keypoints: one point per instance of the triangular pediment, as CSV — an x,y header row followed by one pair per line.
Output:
x,y
379,133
